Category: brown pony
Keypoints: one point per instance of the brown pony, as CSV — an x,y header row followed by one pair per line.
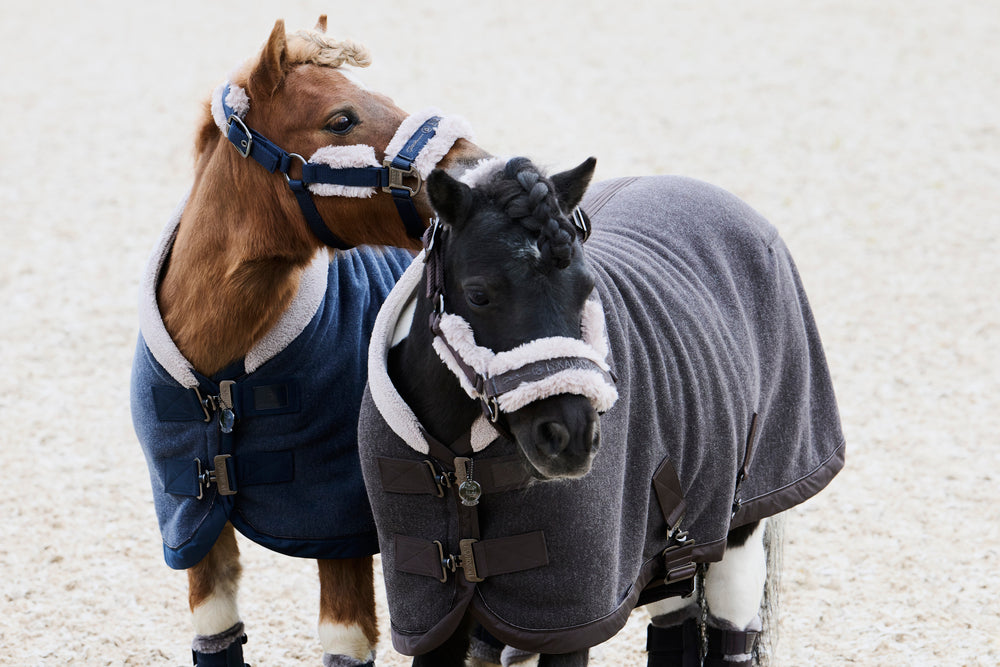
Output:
x,y
241,246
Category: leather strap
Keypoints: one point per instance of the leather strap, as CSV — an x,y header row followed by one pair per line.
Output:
x,y
494,475
479,559
190,477
725,644
493,387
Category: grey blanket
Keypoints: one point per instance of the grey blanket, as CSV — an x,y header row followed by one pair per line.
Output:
x,y
710,334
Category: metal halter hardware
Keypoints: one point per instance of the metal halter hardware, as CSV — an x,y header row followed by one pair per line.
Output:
x,y
389,177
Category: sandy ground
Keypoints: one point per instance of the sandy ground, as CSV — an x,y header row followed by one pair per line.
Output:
x,y
866,131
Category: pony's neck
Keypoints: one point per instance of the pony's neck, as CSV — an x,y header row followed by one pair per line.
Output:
x,y
426,384
234,267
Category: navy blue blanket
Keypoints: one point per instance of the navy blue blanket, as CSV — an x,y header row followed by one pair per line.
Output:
x,y
293,459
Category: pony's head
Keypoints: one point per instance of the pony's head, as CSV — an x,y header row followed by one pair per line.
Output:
x,y
301,94
515,308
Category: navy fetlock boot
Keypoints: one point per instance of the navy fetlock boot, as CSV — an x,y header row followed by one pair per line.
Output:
x,y
676,646
222,650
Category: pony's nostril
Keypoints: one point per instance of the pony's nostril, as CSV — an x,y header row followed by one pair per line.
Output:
x,y
552,438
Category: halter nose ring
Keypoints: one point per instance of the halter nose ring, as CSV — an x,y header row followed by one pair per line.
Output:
x,y
301,159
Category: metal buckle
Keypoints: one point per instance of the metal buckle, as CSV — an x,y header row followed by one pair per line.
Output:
x,y
204,403
491,408
245,145
435,226
288,178
468,561
442,480
396,176
447,564
581,222
219,476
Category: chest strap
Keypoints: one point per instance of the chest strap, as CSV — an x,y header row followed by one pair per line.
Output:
x,y
494,475
478,559
193,477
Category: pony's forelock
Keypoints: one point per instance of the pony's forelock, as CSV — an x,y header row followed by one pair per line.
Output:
x,y
310,46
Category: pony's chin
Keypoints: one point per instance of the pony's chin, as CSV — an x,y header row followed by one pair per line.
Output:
x,y
553,470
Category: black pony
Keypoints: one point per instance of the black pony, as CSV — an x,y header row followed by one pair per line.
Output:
x,y
582,432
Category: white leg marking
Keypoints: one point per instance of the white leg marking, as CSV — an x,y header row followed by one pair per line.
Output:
x,y
216,614
671,607
734,586
349,640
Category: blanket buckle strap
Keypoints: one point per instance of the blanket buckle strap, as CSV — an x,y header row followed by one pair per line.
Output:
x,y
222,476
465,559
677,556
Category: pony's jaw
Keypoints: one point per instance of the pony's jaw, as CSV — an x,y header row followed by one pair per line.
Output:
x,y
557,436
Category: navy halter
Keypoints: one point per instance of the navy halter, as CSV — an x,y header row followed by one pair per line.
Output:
x,y
389,177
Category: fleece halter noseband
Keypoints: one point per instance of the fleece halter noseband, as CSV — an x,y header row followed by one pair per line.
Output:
x,y
505,382
340,170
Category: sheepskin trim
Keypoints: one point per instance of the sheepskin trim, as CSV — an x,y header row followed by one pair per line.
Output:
x,y
390,404
305,303
449,130
483,434
218,643
154,332
589,384
341,157
236,99
458,333
444,352
594,328
485,168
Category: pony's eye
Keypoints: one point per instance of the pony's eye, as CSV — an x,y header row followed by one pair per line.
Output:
x,y
341,123
477,297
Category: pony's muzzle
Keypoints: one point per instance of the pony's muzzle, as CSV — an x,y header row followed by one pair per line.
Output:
x,y
558,436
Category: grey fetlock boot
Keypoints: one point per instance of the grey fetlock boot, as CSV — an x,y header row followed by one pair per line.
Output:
x,y
222,650
674,646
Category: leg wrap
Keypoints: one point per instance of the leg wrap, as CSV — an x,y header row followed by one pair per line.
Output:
x,y
677,646
222,650
730,648
330,660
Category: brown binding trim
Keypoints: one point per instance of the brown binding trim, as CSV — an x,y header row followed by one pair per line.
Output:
x,y
791,494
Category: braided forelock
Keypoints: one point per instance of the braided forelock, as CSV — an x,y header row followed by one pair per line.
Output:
x,y
526,196
310,46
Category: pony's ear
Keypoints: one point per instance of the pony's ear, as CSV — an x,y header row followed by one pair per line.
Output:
x,y
269,72
450,197
571,185
321,24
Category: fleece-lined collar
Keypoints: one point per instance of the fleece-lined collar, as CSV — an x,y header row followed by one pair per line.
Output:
x,y
311,292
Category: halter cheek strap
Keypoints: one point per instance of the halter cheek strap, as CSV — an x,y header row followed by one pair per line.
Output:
x,y
230,104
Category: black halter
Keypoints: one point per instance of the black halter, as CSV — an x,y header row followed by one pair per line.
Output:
x,y
389,177
489,388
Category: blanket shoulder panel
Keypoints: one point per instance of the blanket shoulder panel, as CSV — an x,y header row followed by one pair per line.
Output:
x,y
322,510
